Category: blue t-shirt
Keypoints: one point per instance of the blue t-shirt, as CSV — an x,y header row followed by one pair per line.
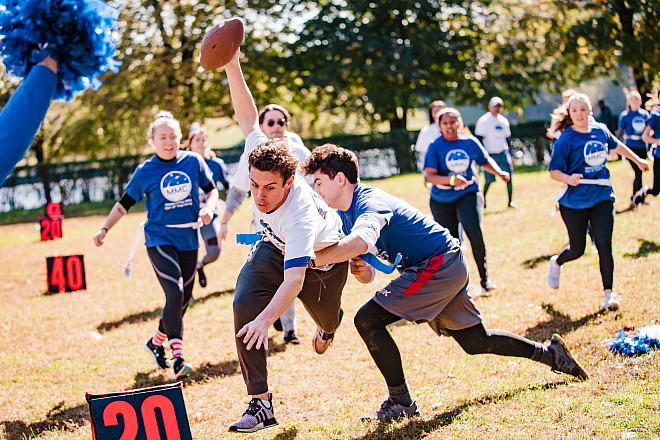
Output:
x,y
407,231
633,124
654,123
455,158
21,117
219,171
171,190
586,154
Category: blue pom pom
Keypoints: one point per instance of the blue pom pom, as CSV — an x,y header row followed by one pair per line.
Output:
x,y
641,343
77,33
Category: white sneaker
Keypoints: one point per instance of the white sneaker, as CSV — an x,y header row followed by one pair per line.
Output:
x,y
611,303
554,271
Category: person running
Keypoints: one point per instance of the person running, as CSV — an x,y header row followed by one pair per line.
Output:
x,y
653,126
295,223
432,285
22,116
273,122
198,143
578,160
493,130
170,182
632,123
455,196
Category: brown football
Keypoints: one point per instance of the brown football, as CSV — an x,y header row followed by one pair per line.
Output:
x,y
221,43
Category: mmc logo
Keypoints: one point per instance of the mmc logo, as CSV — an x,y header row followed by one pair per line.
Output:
x,y
595,153
638,124
175,186
457,161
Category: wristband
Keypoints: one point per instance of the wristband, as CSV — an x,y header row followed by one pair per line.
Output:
x,y
104,229
452,180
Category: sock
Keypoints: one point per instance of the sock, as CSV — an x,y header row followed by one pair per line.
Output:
x,y
542,354
158,338
400,394
177,347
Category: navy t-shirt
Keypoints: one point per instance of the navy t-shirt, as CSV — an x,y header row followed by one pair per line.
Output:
x,y
171,188
634,124
654,123
586,154
455,158
219,171
407,231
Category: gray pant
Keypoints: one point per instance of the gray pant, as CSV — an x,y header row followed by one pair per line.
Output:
x,y
210,236
259,279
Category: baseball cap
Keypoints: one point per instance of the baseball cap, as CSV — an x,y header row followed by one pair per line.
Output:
x,y
495,100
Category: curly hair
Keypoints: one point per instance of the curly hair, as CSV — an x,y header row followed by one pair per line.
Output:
x,y
274,155
331,159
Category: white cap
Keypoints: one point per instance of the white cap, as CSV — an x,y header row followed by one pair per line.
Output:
x,y
494,101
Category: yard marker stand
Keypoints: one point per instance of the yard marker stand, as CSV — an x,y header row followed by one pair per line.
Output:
x,y
66,273
51,225
152,413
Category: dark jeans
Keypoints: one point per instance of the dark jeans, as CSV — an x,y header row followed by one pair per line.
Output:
x,y
466,212
601,219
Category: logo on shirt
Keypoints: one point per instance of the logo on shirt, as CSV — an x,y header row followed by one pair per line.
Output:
x,y
499,128
175,186
595,153
638,124
457,161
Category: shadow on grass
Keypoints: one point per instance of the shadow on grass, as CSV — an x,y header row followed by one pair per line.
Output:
x,y
150,315
558,323
57,419
645,248
201,373
533,262
287,434
630,208
418,429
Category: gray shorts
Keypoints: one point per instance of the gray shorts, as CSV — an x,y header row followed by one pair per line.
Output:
x,y
434,292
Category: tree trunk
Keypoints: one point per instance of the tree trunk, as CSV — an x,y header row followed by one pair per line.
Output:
x,y
43,170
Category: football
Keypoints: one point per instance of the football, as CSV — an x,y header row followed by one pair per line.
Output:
x,y
221,43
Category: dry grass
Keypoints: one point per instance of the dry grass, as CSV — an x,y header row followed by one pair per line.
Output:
x,y
48,364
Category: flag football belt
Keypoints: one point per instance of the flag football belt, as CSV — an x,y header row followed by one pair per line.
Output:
x,y
137,239
633,137
601,182
470,182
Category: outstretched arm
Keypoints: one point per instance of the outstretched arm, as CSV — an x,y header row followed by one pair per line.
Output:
x,y
241,98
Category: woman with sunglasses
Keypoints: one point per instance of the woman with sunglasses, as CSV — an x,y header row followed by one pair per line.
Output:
x,y
273,122
198,143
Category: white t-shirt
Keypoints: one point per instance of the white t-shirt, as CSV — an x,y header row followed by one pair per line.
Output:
x,y
495,131
241,179
302,225
425,137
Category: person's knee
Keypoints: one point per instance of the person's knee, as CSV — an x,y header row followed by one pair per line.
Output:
x,y
212,254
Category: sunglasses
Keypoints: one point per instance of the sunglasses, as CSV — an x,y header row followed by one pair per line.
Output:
x,y
280,122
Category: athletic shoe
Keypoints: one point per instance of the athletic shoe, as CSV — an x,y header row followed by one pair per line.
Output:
x,y
640,195
159,355
291,338
487,287
554,271
610,303
322,340
201,276
257,416
391,410
181,368
563,361
277,325
513,205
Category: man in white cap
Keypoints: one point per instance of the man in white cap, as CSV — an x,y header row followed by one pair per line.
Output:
x,y
492,130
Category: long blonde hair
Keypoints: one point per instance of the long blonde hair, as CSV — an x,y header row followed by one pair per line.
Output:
x,y
654,100
561,119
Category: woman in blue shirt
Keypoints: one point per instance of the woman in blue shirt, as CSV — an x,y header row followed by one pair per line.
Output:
x,y
455,196
198,143
578,160
170,181
653,126
632,123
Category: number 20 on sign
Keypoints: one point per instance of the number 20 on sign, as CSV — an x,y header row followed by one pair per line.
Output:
x,y
66,273
156,413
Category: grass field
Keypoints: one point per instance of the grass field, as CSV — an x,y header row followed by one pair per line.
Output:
x,y
48,361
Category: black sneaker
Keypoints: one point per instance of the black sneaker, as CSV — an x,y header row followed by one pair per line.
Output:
x,y
201,276
563,361
159,355
257,416
291,338
181,368
390,410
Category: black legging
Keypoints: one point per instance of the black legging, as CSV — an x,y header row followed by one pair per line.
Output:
x,y
656,176
637,182
601,219
465,210
372,320
175,270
